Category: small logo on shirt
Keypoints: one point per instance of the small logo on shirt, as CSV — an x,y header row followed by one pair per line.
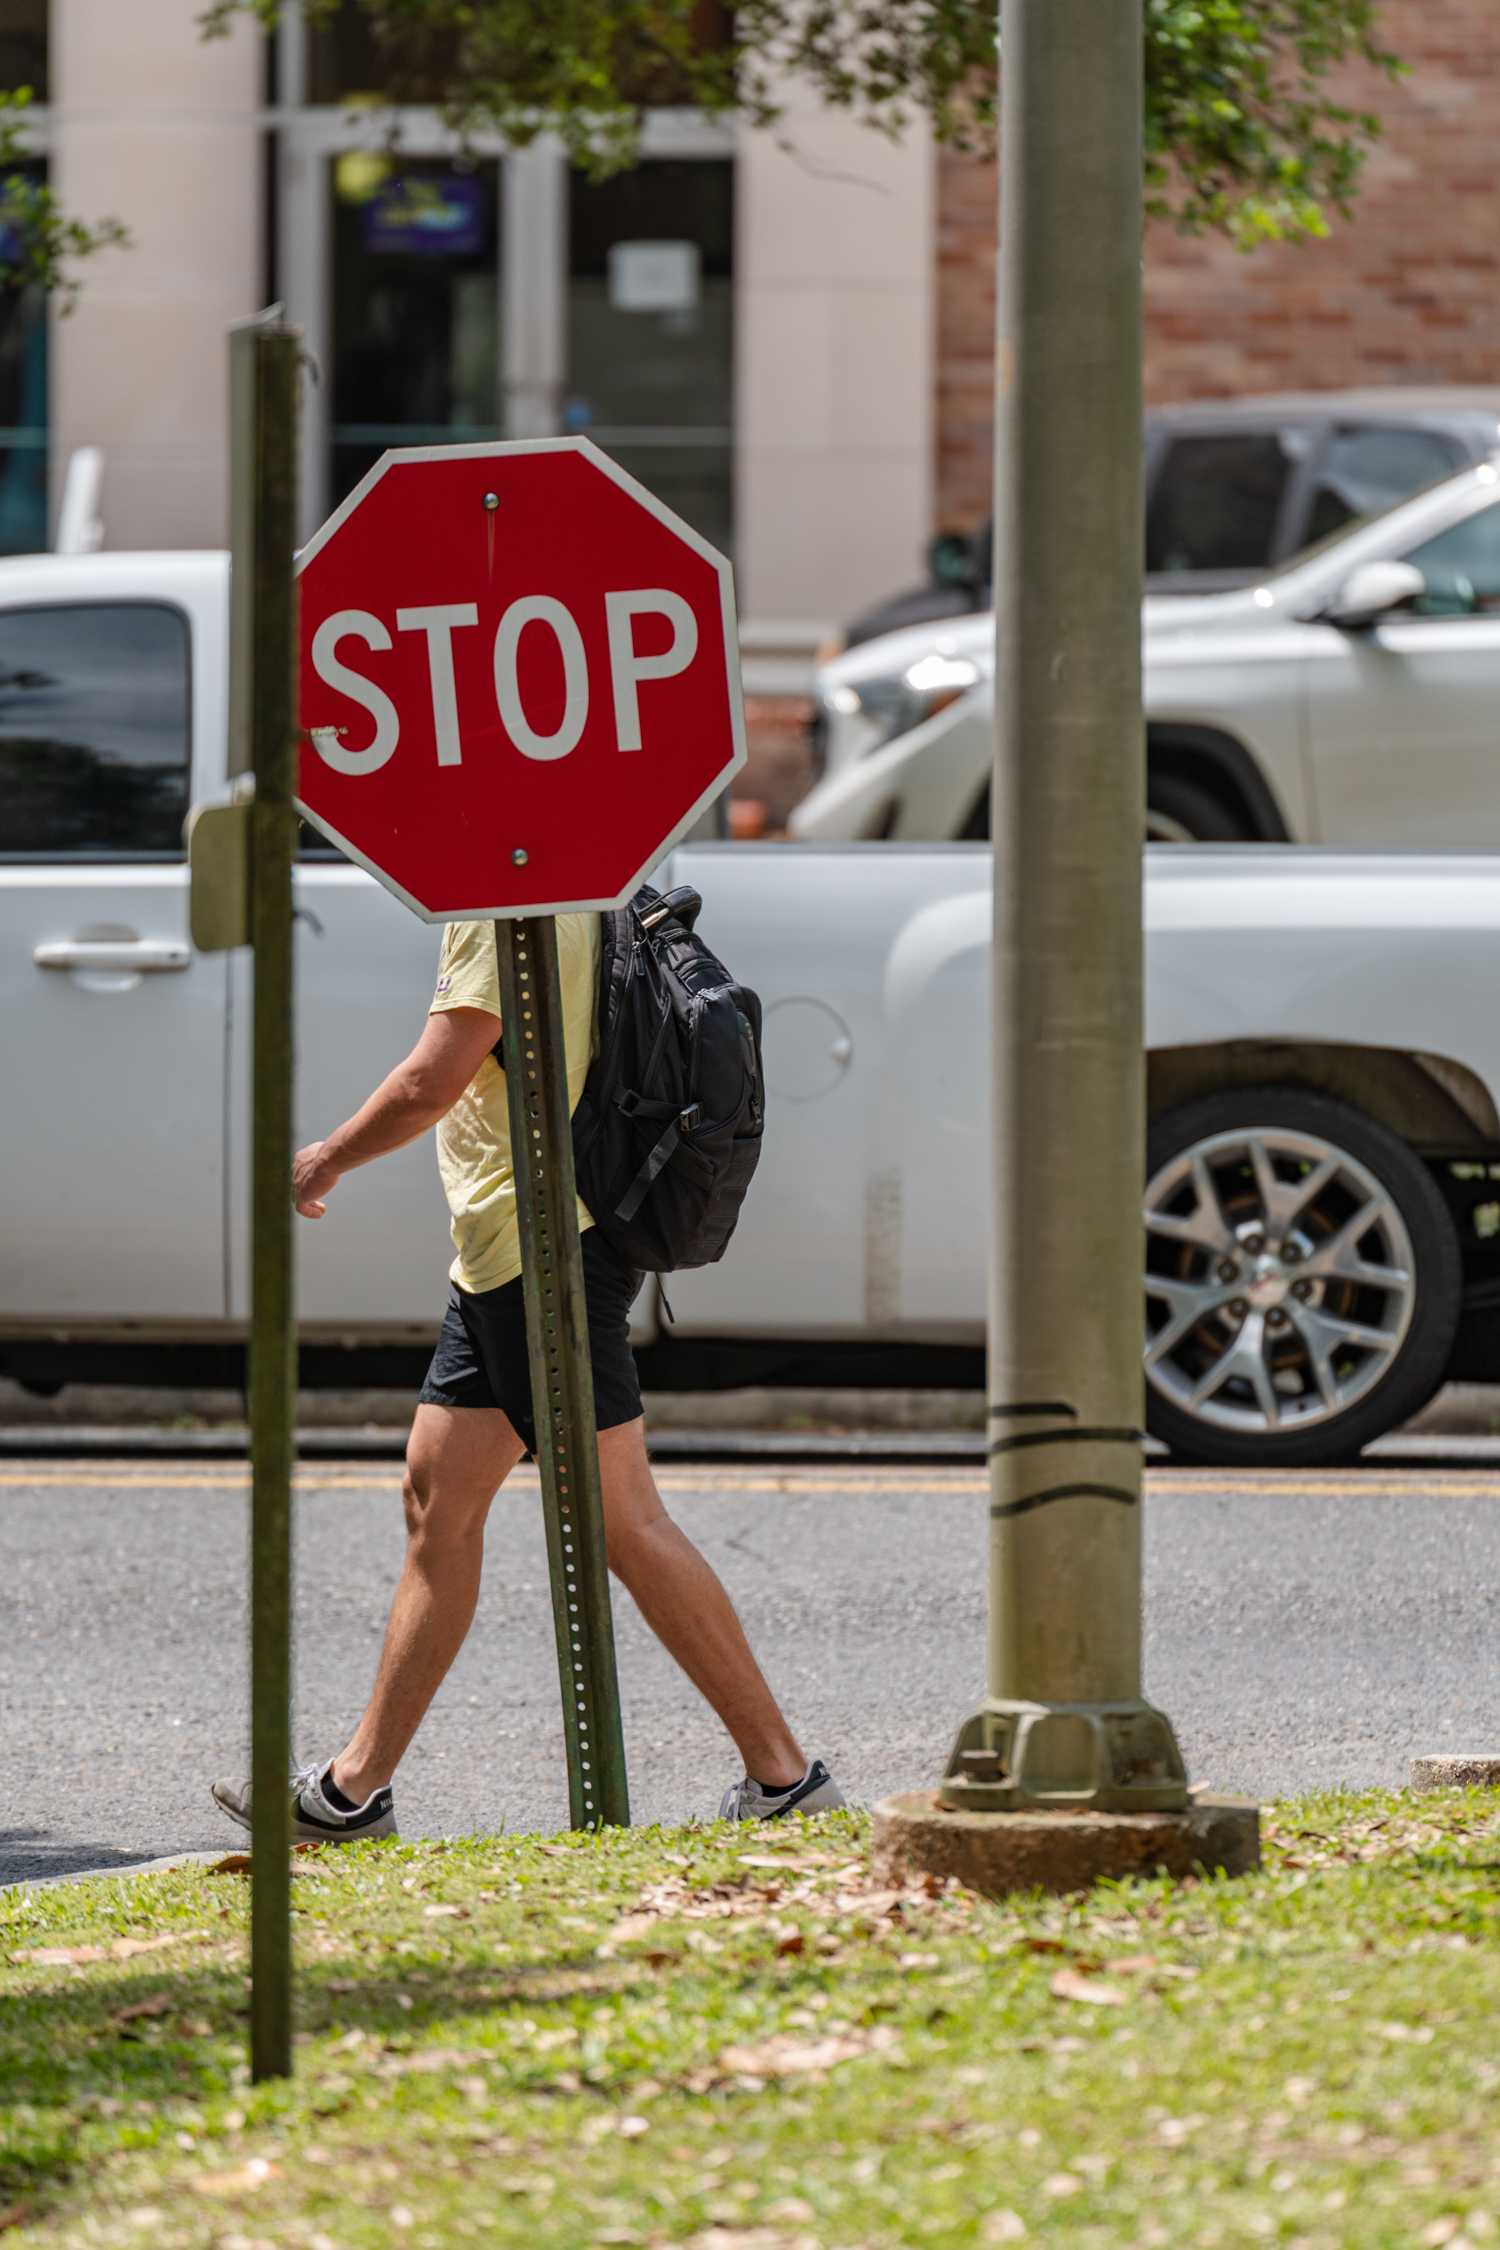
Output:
x,y
445,984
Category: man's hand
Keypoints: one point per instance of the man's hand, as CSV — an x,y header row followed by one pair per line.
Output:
x,y
404,1106
313,1180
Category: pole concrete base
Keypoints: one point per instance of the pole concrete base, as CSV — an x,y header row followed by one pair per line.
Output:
x,y
1455,1772
996,1853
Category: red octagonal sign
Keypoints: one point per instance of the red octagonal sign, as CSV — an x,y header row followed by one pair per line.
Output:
x,y
519,678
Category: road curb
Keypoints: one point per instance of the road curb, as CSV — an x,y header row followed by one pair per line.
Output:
x,y
1455,1770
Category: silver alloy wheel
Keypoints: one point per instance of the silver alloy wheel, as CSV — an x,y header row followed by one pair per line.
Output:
x,y
1280,1280
1162,828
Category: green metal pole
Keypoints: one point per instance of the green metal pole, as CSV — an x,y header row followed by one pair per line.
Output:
x,y
1064,1723
562,1383
273,1325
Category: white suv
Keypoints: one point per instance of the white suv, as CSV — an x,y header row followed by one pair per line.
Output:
x,y
1352,698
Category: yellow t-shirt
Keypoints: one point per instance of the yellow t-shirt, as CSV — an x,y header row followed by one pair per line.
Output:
x,y
473,1140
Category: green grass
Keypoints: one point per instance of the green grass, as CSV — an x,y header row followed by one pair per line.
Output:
x,y
658,2038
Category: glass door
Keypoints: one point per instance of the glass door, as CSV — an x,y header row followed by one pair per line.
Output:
x,y
415,348
649,330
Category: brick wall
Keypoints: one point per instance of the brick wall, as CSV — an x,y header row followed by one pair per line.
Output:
x,y
1408,290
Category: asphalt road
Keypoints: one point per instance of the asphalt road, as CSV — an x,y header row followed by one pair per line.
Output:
x,y
1302,1631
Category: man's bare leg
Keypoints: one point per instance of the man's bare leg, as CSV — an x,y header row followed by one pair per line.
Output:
x,y
457,1458
682,1600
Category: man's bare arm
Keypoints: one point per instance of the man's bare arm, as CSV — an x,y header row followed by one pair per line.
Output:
x,y
416,1094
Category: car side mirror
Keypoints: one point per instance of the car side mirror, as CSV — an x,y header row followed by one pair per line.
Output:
x,y
1374,591
950,559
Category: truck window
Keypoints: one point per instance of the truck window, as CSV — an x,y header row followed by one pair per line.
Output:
x,y
1216,501
94,731
1462,569
1365,471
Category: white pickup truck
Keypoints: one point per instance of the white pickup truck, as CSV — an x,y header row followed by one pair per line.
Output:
x,y
1323,1201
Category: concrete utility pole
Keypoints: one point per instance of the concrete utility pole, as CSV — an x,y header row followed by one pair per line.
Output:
x,y
1064,1726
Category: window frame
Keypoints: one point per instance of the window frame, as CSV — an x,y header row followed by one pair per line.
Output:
x,y
99,857
1310,478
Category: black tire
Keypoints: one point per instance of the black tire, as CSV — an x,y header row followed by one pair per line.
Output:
x,y
1418,1365
1194,811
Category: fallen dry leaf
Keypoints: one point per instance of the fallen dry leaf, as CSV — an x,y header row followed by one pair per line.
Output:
x,y
1069,1985
57,1956
233,1863
247,2179
793,1942
628,1929
119,1949
159,2004
440,1913
872,1902
786,2057
1132,1965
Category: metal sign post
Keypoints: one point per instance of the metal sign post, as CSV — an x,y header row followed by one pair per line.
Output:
x,y
1065,1724
240,856
273,1312
562,1388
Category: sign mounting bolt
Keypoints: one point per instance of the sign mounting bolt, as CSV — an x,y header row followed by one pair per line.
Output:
x,y
519,856
492,501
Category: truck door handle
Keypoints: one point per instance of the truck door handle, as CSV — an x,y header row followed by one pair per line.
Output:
x,y
135,955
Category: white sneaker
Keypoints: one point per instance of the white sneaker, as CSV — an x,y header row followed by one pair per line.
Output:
x,y
314,1819
815,1792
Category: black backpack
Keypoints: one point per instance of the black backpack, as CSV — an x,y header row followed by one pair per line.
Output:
x,y
667,1132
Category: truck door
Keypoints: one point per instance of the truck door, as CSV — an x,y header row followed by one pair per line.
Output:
x,y
111,1116
377,1265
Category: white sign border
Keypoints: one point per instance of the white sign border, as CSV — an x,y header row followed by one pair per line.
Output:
x,y
500,449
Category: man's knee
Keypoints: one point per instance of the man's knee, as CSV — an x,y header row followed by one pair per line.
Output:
x,y
634,1517
437,1510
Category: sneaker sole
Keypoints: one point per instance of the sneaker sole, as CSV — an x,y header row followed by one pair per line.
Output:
x,y
304,1831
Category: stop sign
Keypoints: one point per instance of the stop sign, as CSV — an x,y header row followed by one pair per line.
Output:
x,y
519,678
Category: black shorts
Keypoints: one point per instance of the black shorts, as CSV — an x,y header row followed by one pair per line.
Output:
x,y
481,1357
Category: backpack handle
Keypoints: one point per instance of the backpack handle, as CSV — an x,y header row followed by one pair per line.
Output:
x,y
683,905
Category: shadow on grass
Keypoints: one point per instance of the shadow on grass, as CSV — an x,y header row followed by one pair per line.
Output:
x,y
76,2055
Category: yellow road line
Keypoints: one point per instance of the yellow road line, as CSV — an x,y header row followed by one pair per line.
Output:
x,y
311,1481
779,1482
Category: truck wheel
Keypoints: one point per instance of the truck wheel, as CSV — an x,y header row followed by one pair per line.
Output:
x,y
1180,811
1303,1280
1177,812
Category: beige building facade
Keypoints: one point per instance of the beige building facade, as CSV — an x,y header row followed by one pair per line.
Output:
x,y
745,320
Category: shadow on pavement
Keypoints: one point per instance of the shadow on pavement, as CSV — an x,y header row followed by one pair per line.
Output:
x,y
32,1855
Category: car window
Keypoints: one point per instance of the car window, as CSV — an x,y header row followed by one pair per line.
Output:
x,y
1365,471
1216,500
94,730
1462,569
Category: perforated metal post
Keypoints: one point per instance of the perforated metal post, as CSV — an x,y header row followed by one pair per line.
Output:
x,y
562,1381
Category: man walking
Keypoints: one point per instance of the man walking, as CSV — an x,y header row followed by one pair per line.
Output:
x,y
474,1418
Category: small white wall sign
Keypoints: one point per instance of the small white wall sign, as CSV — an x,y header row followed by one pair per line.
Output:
x,y
654,276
